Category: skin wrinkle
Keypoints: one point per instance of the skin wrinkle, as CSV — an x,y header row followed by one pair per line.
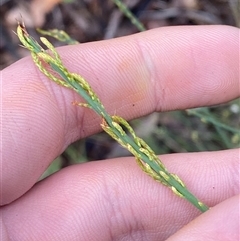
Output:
x,y
133,67
106,194
117,220
169,71
150,69
132,229
136,229
158,88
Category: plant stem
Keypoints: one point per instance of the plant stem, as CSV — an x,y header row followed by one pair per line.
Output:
x,y
112,125
125,10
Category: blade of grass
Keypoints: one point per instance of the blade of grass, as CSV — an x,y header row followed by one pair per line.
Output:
x,y
205,117
125,10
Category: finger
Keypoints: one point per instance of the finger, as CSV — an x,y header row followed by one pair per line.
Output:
x,y
112,199
220,223
162,69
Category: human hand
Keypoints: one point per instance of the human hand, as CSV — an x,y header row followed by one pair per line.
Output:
x,y
158,70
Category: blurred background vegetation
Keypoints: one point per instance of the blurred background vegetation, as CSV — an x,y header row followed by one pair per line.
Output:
x,y
202,129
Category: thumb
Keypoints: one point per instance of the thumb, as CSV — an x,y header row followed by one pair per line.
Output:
x,y
219,223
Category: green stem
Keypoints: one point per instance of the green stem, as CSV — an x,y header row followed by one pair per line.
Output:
x,y
206,118
113,125
129,15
